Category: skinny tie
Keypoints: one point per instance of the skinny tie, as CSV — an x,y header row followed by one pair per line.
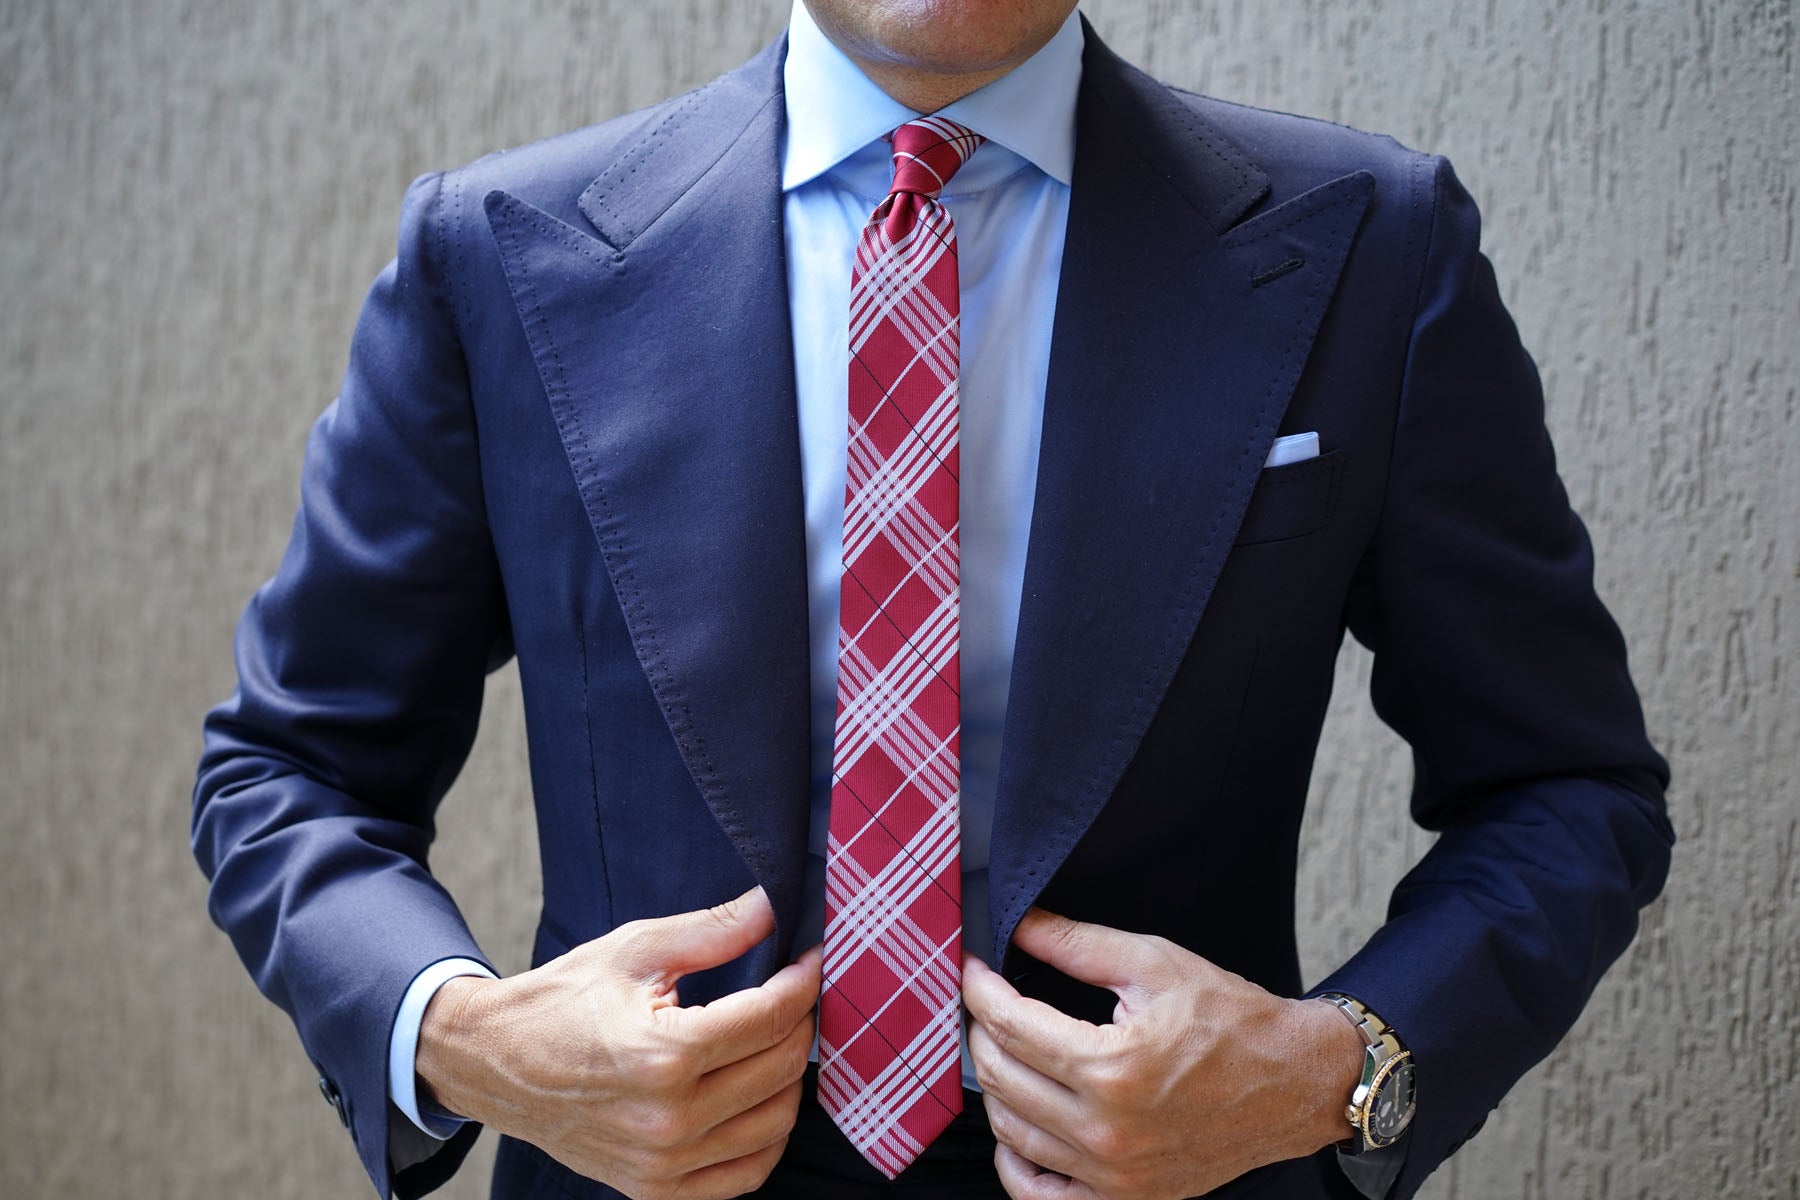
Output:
x,y
890,1013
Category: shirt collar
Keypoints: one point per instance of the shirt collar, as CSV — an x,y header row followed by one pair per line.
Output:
x,y
834,110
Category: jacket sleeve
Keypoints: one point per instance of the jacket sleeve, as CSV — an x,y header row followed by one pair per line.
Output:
x,y
360,673
1496,661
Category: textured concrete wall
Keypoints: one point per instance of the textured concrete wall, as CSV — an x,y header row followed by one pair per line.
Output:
x,y
195,193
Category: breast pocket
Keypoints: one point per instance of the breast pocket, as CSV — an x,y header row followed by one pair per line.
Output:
x,y
1292,501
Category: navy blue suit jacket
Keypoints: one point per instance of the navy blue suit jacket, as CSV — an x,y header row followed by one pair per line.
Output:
x,y
568,434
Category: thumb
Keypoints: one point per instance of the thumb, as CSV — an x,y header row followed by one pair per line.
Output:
x,y
662,949
1106,957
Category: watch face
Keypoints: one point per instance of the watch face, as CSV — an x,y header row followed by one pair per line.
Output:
x,y
1392,1108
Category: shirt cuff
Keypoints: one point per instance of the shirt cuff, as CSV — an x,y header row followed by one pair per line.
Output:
x,y
1373,1172
403,1044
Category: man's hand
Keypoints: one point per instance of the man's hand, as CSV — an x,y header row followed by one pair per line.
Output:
x,y
1201,1077
591,1058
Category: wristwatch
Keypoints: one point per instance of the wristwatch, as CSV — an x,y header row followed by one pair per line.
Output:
x,y
1384,1101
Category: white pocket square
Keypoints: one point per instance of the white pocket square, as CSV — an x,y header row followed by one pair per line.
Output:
x,y
1295,447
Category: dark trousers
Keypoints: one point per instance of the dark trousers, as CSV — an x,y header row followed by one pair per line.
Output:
x,y
820,1164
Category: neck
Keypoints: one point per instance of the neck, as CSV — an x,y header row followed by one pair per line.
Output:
x,y
925,91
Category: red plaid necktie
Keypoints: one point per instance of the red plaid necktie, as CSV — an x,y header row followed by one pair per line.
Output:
x,y
889,1018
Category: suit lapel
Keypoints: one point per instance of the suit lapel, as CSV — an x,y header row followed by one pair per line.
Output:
x,y
664,347
1179,336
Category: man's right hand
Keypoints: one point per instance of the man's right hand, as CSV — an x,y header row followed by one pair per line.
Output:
x,y
591,1058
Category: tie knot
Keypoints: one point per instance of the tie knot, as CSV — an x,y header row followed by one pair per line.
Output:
x,y
927,152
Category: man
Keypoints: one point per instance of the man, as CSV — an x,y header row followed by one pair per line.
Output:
x,y
1230,382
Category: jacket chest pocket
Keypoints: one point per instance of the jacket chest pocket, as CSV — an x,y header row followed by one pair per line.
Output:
x,y
1292,501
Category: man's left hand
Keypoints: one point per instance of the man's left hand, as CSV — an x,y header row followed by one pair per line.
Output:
x,y
1202,1075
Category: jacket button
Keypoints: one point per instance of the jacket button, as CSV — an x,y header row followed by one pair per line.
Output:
x,y
334,1098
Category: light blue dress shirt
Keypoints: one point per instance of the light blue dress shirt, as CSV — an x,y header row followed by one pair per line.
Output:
x,y
1010,202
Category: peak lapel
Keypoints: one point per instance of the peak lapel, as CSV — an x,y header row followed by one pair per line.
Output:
x,y
665,351
1179,337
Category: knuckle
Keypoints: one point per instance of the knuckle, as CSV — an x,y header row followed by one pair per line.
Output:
x,y
722,916
751,1175
762,1165
782,1115
794,1064
1110,1082
775,1022
655,1074
1067,933
1107,1143
1003,1033
663,1067
629,1182
659,1129
654,1168
1005,1126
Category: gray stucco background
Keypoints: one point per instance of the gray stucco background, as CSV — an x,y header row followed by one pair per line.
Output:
x,y
195,193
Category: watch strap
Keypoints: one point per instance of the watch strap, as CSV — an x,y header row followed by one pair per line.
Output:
x,y
1383,1053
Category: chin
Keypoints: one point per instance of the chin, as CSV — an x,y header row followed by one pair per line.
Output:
x,y
941,37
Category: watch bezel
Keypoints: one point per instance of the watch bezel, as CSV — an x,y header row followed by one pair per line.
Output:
x,y
1371,1099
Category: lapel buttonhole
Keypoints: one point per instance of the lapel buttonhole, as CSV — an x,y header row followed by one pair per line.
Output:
x,y
1276,272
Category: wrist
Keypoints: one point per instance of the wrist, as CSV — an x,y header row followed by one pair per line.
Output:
x,y
1332,1054
452,1050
